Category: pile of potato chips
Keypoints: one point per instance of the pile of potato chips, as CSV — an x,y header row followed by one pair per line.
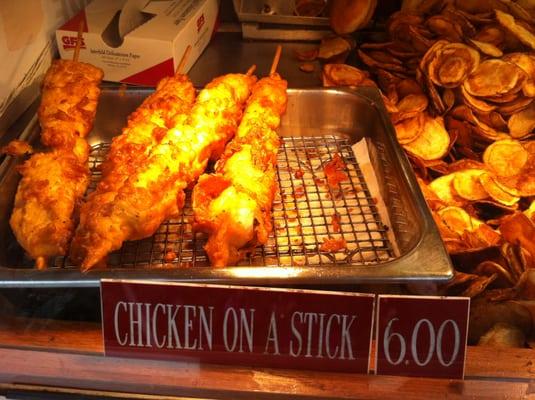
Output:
x,y
458,79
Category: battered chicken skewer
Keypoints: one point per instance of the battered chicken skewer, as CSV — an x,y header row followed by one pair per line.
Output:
x,y
169,105
155,190
53,183
233,205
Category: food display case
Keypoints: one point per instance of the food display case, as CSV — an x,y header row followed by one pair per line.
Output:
x,y
405,167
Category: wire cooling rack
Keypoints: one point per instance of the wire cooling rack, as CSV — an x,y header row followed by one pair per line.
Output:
x,y
306,214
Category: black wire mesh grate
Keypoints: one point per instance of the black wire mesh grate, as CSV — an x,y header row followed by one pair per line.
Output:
x,y
307,216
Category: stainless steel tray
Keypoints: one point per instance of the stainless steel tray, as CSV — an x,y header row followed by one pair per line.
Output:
x,y
318,124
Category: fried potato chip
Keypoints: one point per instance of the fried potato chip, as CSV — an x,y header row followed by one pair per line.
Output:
x,y
436,100
307,67
521,33
388,84
514,106
344,75
333,46
495,191
458,220
448,99
486,48
522,123
467,185
492,34
384,57
487,235
431,53
433,143
513,95
398,23
529,145
478,19
507,185
521,185
494,77
443,188
482,130
409,129
447,234
451,64
505,157
373,63
475,103
413,103
408,86
497,121
527,63
306,55
463,164
519,229
445,27
518,11
479,6
433,201
468,29
530,211
402,50
420,42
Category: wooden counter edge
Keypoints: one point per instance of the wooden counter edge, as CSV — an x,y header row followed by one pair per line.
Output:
x,y
70,354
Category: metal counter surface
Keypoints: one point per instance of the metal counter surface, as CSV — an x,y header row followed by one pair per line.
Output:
x,y
228,52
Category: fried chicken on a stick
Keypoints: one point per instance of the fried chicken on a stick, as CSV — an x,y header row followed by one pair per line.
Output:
x,y
53,183
68,105
154,191
169,105
233,206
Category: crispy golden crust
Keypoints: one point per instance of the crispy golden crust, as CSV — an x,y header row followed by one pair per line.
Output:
x,y
53,183
148,196
234,205
167,106
51,186
69,103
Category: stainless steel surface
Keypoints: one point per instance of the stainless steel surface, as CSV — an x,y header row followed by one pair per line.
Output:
x,y
318,124
275,12
228,52
277,20
254,30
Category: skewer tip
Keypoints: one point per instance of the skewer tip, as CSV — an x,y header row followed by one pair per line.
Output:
x,y
40,263
183,61
251,70
79,39
276,60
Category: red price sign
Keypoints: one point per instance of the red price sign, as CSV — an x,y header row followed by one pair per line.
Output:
x,y
286,328
421,336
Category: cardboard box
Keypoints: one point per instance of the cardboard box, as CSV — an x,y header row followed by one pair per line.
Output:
x,y
140,41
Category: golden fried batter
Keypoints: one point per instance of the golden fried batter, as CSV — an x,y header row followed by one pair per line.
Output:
x,y
148,194
68,105
234,205
53,183
51,186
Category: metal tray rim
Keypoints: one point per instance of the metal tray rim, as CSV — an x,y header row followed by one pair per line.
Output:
x,y
438,263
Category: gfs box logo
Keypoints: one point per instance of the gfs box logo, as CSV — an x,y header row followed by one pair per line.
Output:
x,y
200,23
69,42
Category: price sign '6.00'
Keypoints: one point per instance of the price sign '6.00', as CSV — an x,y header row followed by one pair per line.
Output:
x,y
421,336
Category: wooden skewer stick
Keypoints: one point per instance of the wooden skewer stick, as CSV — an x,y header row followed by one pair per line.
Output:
x,y
276,60
40,263
183,61
251,70
78,41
